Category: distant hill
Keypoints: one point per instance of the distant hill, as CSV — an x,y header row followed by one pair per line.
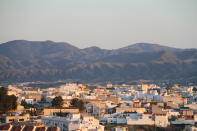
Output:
x,y
146,47
22,60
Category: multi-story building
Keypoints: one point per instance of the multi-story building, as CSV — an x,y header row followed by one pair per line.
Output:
x,y
74,122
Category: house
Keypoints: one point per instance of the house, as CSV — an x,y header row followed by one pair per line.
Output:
x,y
14,117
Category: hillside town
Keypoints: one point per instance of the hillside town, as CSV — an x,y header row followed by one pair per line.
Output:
x,y
83,107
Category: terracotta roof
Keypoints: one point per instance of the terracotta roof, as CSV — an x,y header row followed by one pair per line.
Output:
x,y
52,129
4,127
7,127
28,128
16,128
148,113
40,129
61,108
168,107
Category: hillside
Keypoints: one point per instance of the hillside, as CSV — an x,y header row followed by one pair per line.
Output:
x,y
22,60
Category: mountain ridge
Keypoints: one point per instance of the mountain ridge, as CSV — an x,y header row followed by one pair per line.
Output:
x,y
130,45
22,60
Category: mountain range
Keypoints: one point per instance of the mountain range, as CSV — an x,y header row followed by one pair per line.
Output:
x,y
22,60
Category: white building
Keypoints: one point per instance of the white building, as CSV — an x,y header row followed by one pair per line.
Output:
x,y
161,120
138,119
29,101
73,122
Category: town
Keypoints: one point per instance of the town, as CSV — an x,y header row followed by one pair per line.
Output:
x,y
97,107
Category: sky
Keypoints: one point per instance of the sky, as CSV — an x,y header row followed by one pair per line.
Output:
x,y
108,24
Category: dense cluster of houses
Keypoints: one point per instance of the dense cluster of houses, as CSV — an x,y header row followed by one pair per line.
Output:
x,y
144,104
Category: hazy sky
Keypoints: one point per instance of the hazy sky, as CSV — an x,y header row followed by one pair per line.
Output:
x,y
104,23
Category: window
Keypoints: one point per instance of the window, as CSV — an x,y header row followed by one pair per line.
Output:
x,y
11,119
21,119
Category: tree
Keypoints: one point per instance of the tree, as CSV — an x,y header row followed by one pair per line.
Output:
x,y
78,104
24,103
43,99
57,102
3,91
13,101
173,118
74,102
194,89
7,102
